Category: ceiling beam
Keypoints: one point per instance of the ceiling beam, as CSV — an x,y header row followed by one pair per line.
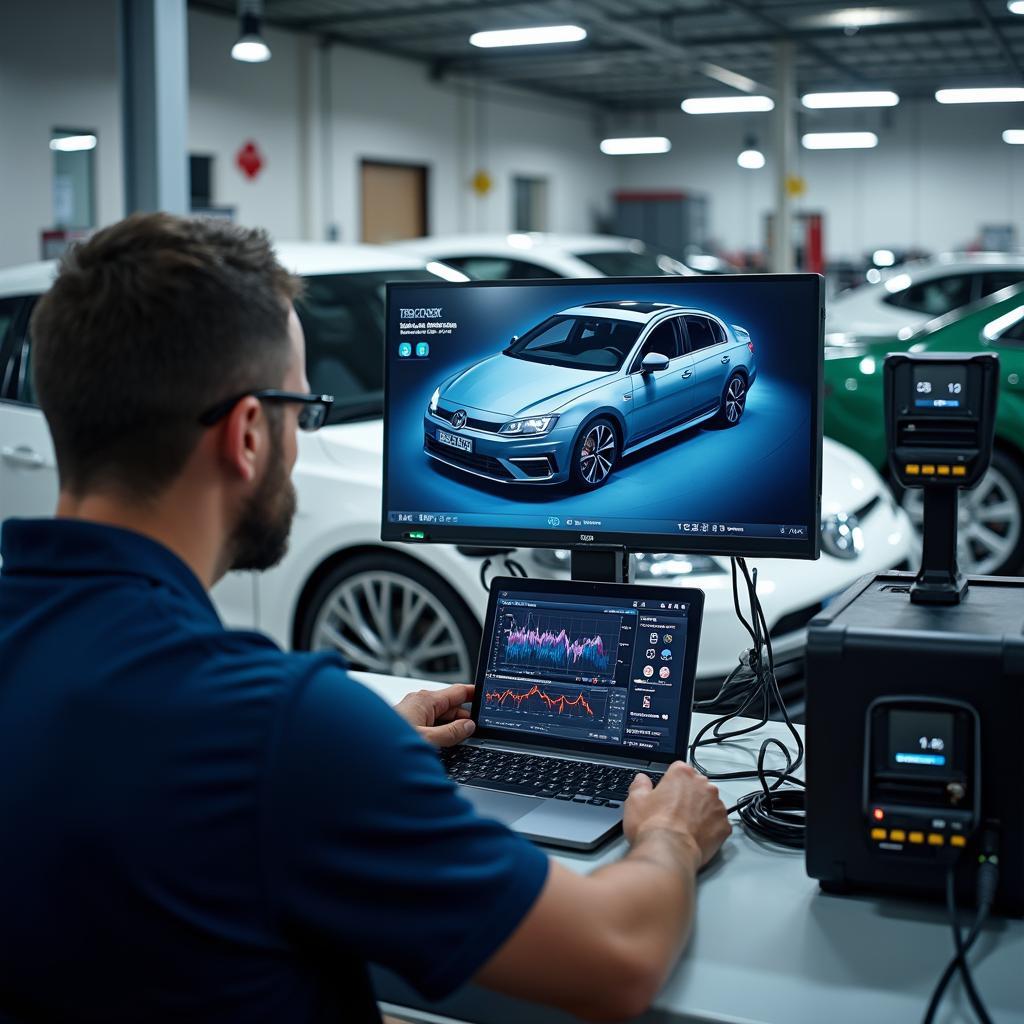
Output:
x,y
990,23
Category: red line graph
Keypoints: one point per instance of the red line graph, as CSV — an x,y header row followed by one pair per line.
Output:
x,y
561,703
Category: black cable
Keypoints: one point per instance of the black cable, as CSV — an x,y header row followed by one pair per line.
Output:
x,y
515,568
772,813
484,566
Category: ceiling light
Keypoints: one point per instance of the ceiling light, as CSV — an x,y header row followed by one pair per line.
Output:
x,y
1011,94
727,104
861,17
834,100
251,47
529,36
626,147
751,159
883,258
73,143
1014,136
840,140
1015,6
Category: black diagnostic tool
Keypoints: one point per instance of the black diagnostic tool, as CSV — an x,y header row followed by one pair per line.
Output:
x,y
940,413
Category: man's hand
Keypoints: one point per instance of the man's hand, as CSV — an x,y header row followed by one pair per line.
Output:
x,y
684,803
438,715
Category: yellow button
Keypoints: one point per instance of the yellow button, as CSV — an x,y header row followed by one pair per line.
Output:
x,y
934,839
916,837
912,469
928,470
959,471
943,470
897,835
878,834
958,840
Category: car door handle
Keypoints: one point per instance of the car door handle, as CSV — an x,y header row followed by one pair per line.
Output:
x,y
726,359
686,373
23,456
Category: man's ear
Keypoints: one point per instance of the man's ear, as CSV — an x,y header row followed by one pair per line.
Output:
x,y
242,438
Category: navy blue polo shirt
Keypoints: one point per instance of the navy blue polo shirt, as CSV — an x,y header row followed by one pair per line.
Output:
x,y
196,826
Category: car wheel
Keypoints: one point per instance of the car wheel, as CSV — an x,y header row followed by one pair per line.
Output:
x,y
594,454
990,539
385,613
734,401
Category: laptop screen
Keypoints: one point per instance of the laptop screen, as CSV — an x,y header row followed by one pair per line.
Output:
x,y
584,666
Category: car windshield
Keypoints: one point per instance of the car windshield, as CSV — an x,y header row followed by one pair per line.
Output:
x,y
625,263
343,319
581,342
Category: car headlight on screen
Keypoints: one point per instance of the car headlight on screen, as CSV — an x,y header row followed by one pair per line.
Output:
x,y
434,400
646,566
533,427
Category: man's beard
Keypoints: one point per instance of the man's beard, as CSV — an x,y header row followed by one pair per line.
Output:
x,y
260,538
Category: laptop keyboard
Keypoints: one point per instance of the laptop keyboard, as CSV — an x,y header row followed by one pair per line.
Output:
x,y
555,777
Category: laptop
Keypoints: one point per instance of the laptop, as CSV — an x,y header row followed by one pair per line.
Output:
x,y
579,686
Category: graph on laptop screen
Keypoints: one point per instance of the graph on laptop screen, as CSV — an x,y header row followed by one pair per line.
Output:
x,y
591,669
672,414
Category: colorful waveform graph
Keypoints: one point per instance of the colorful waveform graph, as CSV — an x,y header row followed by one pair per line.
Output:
x,y
554,647
547,702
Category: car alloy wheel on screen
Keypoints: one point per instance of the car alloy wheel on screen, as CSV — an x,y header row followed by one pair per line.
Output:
x,y
734,401
990,539
386,614
594,454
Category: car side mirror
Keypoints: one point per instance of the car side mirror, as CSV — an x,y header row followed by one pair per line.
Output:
x,y
513,339
653,361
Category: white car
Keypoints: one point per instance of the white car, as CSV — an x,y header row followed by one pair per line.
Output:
x,y
416,610
917,292
536,255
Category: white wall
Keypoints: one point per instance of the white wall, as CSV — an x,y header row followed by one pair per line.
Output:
x,y
938,175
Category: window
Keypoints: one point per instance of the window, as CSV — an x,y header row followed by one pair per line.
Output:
x,y
585,343
936,296
74,204
496,268
200,179
998,279
626,263
530,201
701,332
719,332
663,340
15,381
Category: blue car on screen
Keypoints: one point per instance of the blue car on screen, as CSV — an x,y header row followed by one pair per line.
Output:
x,y
567,400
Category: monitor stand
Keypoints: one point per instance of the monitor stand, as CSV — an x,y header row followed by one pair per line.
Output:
x,y
601,565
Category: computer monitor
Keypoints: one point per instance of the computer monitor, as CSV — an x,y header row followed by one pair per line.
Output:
x,y
653,414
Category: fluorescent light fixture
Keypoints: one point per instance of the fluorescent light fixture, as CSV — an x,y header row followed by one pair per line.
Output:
x,y
883,258
1003,323
1015,6
442,270
73,143
840,140
836,100
751,159
1014,136
645,144
861,17
1006,94
539,36
727,104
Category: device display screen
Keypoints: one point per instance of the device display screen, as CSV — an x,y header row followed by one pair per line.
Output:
x,y
589,669
920,739
940,386
673,414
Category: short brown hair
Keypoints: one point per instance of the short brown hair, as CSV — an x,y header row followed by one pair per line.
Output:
x,y
149,323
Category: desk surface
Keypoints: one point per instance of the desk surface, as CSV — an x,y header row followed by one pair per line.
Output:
x,y
769,946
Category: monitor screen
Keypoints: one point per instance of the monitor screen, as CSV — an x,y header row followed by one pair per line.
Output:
x,y
589,666
665,414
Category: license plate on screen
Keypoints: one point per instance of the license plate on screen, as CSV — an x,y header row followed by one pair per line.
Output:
x,y
464,444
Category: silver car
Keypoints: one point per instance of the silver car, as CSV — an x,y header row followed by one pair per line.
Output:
x,y
567,400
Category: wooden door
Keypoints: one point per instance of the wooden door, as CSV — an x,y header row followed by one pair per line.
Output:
x,y
394,201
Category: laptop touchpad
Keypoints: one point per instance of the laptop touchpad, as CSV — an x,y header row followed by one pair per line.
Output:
x,y
506,807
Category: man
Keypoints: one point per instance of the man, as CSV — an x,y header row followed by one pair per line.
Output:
x,y
195,825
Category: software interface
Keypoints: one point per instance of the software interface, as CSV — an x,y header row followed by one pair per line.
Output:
x,y
587,669
680,408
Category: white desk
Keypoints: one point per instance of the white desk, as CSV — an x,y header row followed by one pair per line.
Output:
x,y
769,946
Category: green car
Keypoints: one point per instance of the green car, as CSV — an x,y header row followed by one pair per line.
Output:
x,y
992,515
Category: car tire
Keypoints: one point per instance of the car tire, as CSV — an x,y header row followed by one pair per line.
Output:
x,y
595,454
991,541
387,613
734,401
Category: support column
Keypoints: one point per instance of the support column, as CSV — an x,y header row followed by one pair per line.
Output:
x,y
154,103
785,128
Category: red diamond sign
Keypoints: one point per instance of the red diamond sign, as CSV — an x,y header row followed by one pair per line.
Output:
x,y
249,160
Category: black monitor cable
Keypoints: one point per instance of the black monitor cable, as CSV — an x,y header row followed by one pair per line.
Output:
x,y
772,813
985,891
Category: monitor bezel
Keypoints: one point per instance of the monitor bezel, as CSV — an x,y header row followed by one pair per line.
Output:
x,y
751,547
613,591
